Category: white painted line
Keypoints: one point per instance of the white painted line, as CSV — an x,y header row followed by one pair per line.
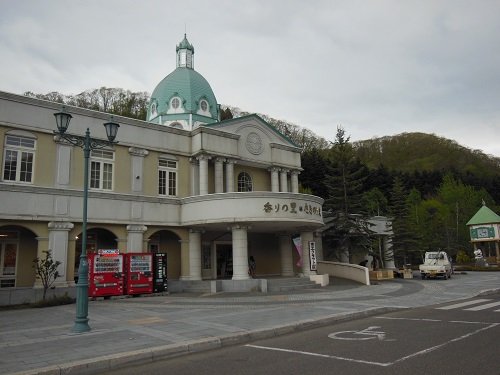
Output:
x,y
483,307
382,364
458,305
320,355
415,319
428,350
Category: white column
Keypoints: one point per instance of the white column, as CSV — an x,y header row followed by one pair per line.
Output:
x,y
318,238
219,175
283,180
275,182
388,253
135,240
184,260
195,176
229,175
58,246
286,255
306,237
240,253
203,160
294,178
195,254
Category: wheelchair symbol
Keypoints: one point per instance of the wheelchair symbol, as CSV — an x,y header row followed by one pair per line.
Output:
x,y
365,334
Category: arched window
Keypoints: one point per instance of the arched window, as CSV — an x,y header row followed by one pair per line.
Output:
x,y
244,182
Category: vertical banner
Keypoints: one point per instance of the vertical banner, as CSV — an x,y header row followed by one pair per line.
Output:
x,y
312,255
297,241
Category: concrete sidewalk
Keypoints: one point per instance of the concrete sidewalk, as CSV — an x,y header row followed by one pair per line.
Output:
x,y
144,329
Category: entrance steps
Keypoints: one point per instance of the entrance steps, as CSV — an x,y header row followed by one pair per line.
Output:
x,y
288,284
272,285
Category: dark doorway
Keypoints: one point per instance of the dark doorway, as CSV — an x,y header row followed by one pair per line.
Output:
x,y
224,261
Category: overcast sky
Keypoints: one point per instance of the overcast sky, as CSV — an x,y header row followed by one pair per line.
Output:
x,y
375,67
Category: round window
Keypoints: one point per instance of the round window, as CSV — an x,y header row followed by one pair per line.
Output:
x,y
175,103
204,105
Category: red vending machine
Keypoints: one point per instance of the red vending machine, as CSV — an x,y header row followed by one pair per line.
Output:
x,y
105,273
138,273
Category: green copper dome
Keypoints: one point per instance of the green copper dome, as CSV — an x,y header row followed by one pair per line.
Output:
x,y
184,98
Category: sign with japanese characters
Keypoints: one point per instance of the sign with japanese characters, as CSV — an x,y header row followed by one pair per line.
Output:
x,y
292,208
312,256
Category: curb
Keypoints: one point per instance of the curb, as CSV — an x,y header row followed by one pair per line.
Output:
x,y
157,353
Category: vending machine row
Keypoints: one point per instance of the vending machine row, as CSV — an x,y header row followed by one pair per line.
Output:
x,y
113,274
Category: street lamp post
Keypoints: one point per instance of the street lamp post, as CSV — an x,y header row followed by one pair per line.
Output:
x,y
87,144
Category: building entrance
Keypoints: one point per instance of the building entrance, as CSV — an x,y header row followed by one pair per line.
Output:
x,y
224,261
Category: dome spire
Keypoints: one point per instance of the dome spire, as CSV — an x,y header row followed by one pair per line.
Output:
x,y
185,54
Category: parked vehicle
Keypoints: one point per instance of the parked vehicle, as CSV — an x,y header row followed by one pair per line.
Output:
x,y
436,264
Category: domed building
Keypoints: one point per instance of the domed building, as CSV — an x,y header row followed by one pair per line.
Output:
x,y
184,98
205,194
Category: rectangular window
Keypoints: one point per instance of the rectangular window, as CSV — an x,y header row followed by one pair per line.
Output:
x,y
167,177
101,170
18,159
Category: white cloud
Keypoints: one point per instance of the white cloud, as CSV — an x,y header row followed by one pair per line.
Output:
x,y
378,68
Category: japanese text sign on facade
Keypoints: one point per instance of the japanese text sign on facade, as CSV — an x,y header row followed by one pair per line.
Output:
x,y
292,208
312,256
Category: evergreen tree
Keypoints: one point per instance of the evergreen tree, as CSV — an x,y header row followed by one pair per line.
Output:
x,y
404,240
348,230
314,164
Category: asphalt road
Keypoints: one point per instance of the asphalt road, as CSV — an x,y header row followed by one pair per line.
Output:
x,y
453,338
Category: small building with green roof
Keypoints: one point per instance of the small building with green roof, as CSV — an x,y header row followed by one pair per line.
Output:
x,y
484,228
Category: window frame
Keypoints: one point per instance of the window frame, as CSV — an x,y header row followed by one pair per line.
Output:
x,y
104,163
168,183
25,155
245,182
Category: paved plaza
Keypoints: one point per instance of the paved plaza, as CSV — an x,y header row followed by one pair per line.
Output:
x,y
142,329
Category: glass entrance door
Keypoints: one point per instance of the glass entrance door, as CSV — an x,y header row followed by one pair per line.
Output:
x,y
8,257
224,261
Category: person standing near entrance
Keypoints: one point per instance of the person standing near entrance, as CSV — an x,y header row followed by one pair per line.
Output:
x,y
252,266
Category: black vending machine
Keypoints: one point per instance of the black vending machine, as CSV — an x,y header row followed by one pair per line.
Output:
x,y
160,272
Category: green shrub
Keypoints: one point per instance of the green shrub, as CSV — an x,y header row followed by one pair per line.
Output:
x,y
463,257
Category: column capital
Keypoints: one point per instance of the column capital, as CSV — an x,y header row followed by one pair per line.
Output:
x,y
135,151
274,169
138,228
220,159
295,172
60,225
239,226
203,157
231,161
197,230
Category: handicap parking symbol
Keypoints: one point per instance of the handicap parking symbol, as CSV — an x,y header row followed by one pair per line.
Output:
x,y
369,333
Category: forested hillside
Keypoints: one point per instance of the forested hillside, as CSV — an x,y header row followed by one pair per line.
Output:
x,y
430,186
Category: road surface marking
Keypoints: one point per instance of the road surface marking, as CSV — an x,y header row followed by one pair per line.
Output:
x,y
320,355
382,364
483,307
463,304
366,334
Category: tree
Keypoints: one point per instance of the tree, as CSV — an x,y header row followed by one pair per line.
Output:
x,y
348,230
314,164
404,241
374,202
46,270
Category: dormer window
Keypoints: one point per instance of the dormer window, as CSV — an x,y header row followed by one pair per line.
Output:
x,y
204,105
175,103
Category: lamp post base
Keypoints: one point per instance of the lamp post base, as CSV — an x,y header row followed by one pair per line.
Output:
x,y
81,326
